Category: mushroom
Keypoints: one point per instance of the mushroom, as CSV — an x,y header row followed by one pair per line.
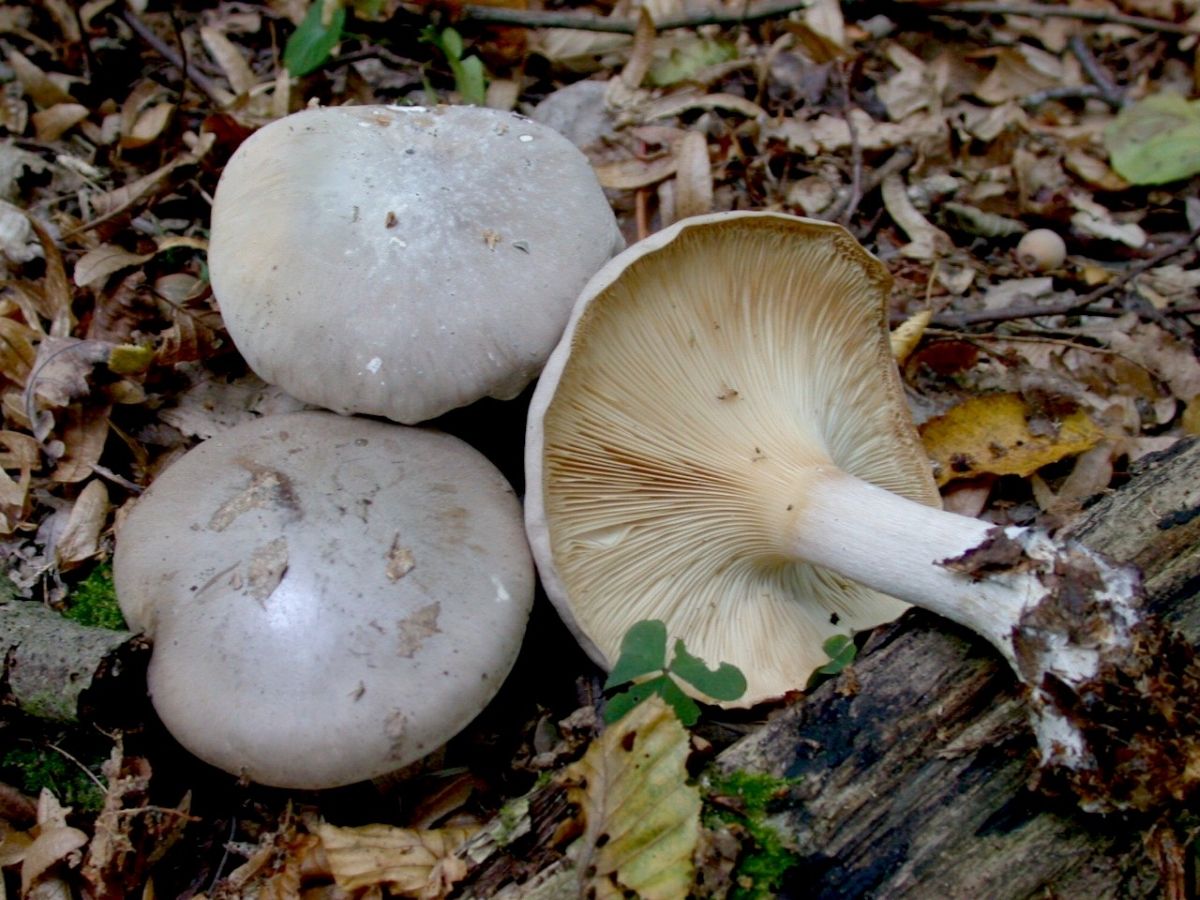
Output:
x,y
329,598
720,441
403,261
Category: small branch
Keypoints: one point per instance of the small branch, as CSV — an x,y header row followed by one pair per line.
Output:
x,y
167,52
1071,304
1042,11
1110,93
856,155
531,18
895,164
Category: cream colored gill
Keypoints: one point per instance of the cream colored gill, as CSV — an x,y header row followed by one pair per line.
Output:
x,y
698,399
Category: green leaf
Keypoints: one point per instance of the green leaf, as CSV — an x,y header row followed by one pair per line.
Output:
x,y
311,43
470,81
643,651
725,682
451,43
687,60
841,652
1156,140
685,707
620,704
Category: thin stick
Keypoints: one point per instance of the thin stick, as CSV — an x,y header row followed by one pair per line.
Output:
x,y
535,18
167,52
1070,305
1109,91
1043,11
856,154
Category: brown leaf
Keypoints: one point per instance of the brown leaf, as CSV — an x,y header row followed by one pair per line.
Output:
x,y
37,85
50,124
62,369
693,177
226,55
83,432
18,452
100,262
18,350
55,844
408,860
80,538
629,174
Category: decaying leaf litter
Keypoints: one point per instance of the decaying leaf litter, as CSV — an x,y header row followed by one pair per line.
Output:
x,y
938,133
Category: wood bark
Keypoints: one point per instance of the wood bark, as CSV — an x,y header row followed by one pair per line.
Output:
x,y
916,771
53,668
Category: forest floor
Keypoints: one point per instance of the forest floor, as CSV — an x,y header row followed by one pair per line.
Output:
x,y
938,133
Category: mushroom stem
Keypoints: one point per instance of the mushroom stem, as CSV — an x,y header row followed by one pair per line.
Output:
x,y
1102,678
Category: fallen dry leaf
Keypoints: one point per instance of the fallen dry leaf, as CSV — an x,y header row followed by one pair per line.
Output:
x,y
641,816
993,434
406,860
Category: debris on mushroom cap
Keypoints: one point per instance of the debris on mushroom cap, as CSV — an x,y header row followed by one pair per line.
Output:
x,y
705,369
419,259
329,598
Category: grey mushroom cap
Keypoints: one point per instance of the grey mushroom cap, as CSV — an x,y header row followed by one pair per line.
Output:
x,y
403,261
329,598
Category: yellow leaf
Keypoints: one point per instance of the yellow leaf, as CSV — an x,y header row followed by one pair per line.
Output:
x,y
408,860
642,818
993,435
907,335
1191,416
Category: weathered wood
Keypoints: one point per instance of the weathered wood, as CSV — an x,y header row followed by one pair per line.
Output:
x,y
916,767
53,668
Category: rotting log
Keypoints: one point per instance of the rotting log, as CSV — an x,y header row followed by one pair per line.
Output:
x,y
56,669
916,767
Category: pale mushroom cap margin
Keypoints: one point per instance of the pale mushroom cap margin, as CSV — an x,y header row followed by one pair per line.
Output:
x,y
329,598
703,370
402,261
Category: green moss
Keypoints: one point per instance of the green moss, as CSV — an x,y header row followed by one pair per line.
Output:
x,y
34,769
94,601
747,799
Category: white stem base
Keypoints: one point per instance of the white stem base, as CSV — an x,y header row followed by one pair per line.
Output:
x,y
1055,611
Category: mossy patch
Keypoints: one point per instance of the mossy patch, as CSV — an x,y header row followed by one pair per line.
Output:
x,y
93,602
33,769
744,800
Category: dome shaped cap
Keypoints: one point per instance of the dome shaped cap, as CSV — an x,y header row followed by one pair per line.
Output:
x,y
329,598
402,261
705,372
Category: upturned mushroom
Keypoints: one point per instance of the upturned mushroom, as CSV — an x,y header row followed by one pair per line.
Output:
x,y
329,598
720,441
402,261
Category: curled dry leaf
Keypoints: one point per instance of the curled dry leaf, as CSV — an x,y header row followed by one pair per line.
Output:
x,y
19,456
80,539
926,241
994,434
693,177
50,124
100,262
409,861
55,844
82,431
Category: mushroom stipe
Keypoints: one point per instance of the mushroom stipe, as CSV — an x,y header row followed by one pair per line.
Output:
x,y
720,441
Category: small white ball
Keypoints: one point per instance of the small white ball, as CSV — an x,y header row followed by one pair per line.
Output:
x,y
1041,250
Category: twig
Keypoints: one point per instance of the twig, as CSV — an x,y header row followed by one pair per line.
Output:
x,y
1110,93
856,155
1045,11
1070,305
896,163
1063,92
167,52
534,18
